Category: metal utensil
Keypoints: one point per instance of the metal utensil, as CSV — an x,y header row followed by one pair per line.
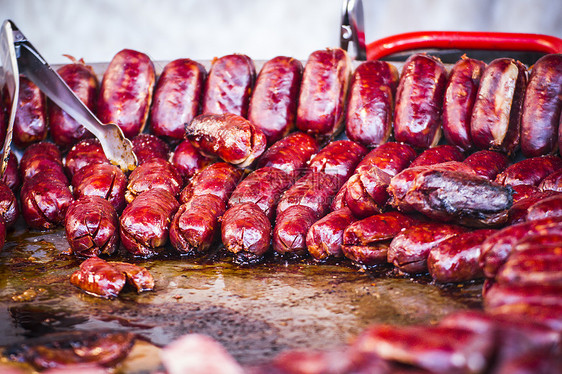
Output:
x,y
353,29
117,148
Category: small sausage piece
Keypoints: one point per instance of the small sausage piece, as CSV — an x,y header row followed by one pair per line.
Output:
x,y
229,85
101,180
289,154
338,158
371,103
291,227
9,207
12,175
325,237
552,182
530,171
323,91
229,136
145,222
41,157
85,152
30,124
408,251
437,155
547,207
137,276
148,146
456,259
541,108
126,91
188,161
218,179
273,106
177,98
419,101
92,227
496,114
460,95
82,80
156,173
487,163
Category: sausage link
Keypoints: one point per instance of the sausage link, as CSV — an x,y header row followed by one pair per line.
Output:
x,y
530,171
496,114
218,179
12,174
460,95
541,108
126,91
101,180
522,191
338,158
9,207
437,155
273,105
156,173
547,207
487,163
85,152
97,277
148,146
30,124
508,294
290,154
188,161
371,103
325,237
42,157
323,91
518,211
532,265
229,85
553,182
177,98
291,227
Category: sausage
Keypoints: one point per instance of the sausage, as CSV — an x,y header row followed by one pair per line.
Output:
x,y
370,104
496,114
460,95
338,158
145,222
195,226
530,171
156,173
85,152
137,276
532,361
229,85
547,207
324,85
229,136
456,259
506,294
218,179
289,154
541,108
419,101
536,265
273,105
102,180
177,98
30,123
518,211
65,130
487,163
325,237
41,157
552,182
188,161
291,227
92,227
522,191
339,200
437,155
12,175
246,232
408,251
148,146
126,91
9,207
366,241
546,314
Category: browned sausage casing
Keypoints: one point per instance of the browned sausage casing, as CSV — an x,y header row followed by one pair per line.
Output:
x,y
371,103
541,108
323,91
530,171
229,136
85,152
41,157
291,227
148,146
9,207
102,180
188,161
290,154
218,179
126,91
145,222
273,106
177,98
82,80
460,95
30,124
156,173
487,163
419,101
229,85
496,114
92,227
325,237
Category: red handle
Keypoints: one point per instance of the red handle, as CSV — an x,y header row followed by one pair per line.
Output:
x,y
463,40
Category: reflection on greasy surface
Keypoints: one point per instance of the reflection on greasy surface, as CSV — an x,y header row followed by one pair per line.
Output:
x,y
255,312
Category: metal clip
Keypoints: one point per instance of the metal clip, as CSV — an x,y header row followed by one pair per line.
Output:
x,y
353,30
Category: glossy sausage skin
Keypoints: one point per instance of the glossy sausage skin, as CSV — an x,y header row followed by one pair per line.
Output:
x,y
101,180
157,173
148,146
188,161
9,207
30,124
371,102
273,105
218,179
496,114
338,158
229,136
41,157
533,264
92,227
145,222
290,154
553,182
460,95
547,207
291,227
487,163
530,171
519,209
85,152
419,101
325,237
82,80
541,108
437,155
12,174
177,98
229,85
126,91
323,91
505,294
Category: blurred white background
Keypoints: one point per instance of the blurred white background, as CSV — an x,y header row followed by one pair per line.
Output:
x,y
202,29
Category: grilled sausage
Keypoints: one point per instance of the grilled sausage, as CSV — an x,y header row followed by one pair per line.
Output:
x,y
82,80
323,91
148,146
177,98
338,158
85,152
229,85
9,207
92,227
547,207
228,136
506,294
553,182
101,180
460,95
325,237
289,154
218,179
541,108
156,173
42,157
437,155
530,171
30,124
188,161
126,91
496,114
12,175
532,264
487,163
291,227
273,105
371,102
518,211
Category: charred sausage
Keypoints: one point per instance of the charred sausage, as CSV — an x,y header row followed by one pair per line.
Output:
x,y
101,180
30,124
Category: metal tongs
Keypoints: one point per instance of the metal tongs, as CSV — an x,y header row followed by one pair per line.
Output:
x,y
17,55
353,29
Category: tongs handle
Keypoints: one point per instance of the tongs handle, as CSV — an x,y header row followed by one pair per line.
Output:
x,y
353,29
503,41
